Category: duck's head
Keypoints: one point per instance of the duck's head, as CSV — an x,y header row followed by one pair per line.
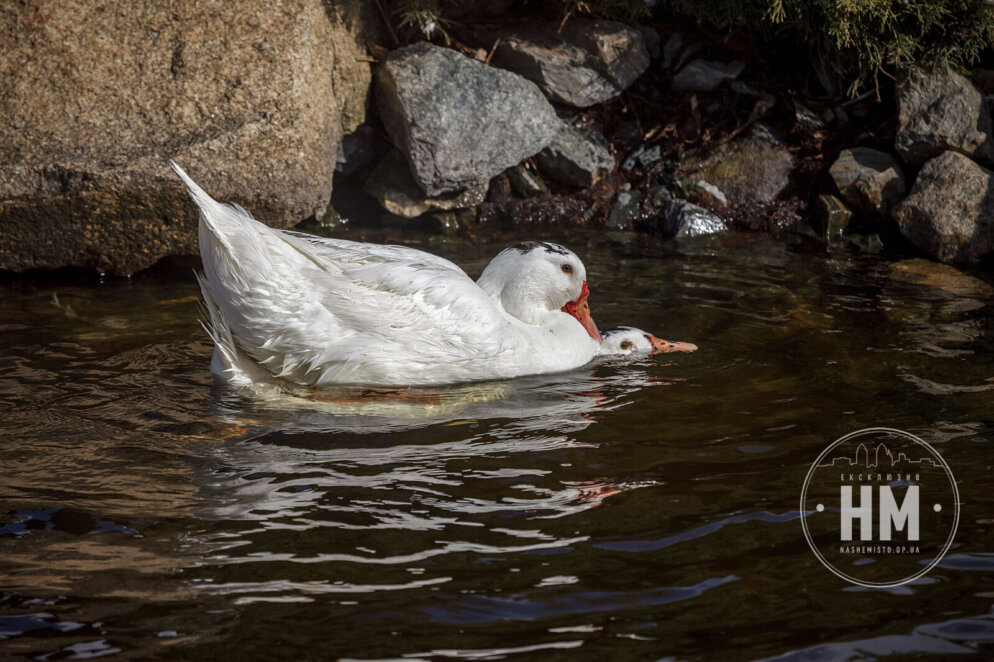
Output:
x,y
629,341
534,278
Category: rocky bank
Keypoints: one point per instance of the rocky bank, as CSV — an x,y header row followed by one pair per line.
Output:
x,y
588,122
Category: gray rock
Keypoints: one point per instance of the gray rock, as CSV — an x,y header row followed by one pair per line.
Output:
x,y
500,189
458,121
869,180
526,183
642,157
625,210
688,54
658,197
950,212
942,111
356,150
651,40
576,158
633,159
250,98
806,118
671,49
652,155
753,169
586,63
685,219
745,89
392,186
706,76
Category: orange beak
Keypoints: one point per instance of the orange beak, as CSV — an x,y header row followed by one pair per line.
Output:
x,y
660,346
580,309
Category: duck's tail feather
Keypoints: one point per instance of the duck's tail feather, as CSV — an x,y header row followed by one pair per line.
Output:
x,y
214,216
198,194
230,239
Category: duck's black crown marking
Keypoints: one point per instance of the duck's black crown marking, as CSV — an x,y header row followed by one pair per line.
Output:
x,y
529,246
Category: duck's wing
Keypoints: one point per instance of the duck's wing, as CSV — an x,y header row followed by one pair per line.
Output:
x,y
390,317
387,251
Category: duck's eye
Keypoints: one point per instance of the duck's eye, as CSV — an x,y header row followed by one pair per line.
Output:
x,y
567,268
626,344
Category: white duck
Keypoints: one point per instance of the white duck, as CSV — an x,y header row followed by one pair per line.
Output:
x,y
629,341
317,312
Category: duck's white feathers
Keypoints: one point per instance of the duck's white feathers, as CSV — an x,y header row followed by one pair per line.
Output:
x,y
318,312
396,253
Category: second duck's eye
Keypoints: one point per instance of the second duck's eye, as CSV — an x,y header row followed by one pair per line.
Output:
x,y
626,344
567,268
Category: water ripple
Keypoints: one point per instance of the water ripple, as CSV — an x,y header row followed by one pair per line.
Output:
x,y
476,609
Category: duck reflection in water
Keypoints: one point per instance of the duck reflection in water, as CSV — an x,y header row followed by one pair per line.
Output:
x,y
384,467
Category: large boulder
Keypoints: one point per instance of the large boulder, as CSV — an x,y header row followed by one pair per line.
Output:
x,y
942,111
586,62
950,212
869,180
97,95
458,121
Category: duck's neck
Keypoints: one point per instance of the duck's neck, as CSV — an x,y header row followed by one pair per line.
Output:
x,y
519,295
516,298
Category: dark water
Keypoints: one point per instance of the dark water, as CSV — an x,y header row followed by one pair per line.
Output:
x,y
622,511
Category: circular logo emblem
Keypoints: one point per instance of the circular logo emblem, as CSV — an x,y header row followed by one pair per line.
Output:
x,y
879,507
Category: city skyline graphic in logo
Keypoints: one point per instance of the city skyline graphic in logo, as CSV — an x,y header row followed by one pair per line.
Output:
x,y
881,450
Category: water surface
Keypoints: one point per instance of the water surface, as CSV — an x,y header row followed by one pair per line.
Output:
x,y
638,510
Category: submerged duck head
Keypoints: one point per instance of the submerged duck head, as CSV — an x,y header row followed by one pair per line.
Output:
x,y
629,341
534,278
